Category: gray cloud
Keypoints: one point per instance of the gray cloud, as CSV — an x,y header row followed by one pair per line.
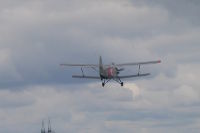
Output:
x,y
100,109
36,36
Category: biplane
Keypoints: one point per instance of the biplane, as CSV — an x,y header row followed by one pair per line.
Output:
x,y
110,72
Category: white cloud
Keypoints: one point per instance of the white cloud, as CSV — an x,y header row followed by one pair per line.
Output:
x,y
134,88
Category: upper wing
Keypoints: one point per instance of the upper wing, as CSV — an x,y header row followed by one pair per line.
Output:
x,y
87,77
139,63
131,76
81,65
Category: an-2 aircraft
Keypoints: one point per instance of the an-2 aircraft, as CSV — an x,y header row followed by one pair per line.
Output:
x,y
110,72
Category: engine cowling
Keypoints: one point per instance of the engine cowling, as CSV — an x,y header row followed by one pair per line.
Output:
x,y
119,69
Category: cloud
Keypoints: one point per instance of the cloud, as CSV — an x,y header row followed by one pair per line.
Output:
x,y
10,100
36,36
8,71
44,37
134,88
93,108
186,95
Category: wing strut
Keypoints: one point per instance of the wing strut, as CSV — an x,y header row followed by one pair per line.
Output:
x,y
139,70
82,71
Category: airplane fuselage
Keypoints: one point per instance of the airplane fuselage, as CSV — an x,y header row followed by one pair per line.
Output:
x,y
109,73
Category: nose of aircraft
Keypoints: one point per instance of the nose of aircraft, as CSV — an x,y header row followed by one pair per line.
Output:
x,y
110,72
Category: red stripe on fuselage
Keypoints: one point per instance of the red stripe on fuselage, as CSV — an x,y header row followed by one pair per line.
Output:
x,y
110,72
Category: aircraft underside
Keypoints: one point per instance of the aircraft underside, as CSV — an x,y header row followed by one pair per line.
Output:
x,y
105,80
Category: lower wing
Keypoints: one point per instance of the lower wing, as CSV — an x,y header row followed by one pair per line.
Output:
x,y
136,75
121,77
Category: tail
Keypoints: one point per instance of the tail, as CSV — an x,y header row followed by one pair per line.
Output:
x,y
100,65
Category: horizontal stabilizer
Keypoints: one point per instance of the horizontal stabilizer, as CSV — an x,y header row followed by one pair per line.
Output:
x,y
136,75
87,77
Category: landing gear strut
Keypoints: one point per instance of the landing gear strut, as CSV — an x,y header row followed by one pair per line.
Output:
x,y
122,83
103,84
105,81
118,80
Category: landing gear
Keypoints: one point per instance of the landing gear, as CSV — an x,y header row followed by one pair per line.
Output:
x,y
103,84
105,81
118,80
122,83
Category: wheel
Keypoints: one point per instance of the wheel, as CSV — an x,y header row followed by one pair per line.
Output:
x,y
122,83
103,84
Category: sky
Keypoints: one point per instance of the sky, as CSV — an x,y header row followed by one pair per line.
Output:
x,y
37,35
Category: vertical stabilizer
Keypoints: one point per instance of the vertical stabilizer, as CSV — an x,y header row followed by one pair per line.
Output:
x,y
100,66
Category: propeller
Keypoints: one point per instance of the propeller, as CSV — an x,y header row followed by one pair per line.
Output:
x,y
120,69
117,69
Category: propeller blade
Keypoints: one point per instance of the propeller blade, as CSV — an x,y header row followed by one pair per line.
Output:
x,y
119,69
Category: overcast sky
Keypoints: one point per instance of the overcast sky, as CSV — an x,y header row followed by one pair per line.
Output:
x,y
37,35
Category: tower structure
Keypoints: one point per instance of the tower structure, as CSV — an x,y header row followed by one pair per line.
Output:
x,y
43,128
49,127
